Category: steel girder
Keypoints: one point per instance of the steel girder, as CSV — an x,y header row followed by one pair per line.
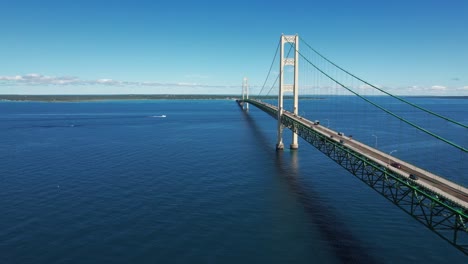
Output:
x,y
444,217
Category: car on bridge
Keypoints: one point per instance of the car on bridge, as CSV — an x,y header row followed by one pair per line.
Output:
x,y
396,165
414,177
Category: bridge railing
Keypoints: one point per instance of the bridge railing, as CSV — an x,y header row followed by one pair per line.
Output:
x,y
440,213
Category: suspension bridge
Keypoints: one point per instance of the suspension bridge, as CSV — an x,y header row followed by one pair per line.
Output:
x,y
413,181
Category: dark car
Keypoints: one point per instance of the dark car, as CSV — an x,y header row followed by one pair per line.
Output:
x,y
396,165
413,177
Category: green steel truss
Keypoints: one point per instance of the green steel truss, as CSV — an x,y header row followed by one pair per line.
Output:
x,y
446,218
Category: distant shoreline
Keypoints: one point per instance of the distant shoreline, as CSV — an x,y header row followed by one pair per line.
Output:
x,y
107,97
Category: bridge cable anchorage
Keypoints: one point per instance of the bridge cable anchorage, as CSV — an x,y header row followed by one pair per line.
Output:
x,y
387,93
386,110
271,67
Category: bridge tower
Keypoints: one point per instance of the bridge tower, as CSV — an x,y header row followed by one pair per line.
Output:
x,y
294,39
245,92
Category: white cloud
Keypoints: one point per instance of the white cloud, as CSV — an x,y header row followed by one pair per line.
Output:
x,y
187,84
34,79
54,83
438,88
411,89
107,82
10,78
38,79
368,87
104,81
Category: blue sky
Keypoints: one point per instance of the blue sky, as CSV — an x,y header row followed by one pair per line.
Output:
x,y
76,47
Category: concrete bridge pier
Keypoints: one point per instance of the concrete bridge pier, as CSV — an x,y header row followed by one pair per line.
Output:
x,y
294,146
279,144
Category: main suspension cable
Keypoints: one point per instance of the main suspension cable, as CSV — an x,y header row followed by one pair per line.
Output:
x,y
384,109
271,67
387,93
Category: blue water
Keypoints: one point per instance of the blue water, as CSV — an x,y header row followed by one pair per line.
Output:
x,y
111,182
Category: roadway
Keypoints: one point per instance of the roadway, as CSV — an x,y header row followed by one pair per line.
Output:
x,y
439,185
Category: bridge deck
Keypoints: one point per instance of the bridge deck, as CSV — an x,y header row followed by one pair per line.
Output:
x,y
445,188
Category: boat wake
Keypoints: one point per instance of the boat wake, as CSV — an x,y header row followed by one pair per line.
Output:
x,y
158,116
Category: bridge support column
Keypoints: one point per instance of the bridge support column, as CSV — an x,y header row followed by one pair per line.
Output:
x,y
294,144
279,143
288,87
245,90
